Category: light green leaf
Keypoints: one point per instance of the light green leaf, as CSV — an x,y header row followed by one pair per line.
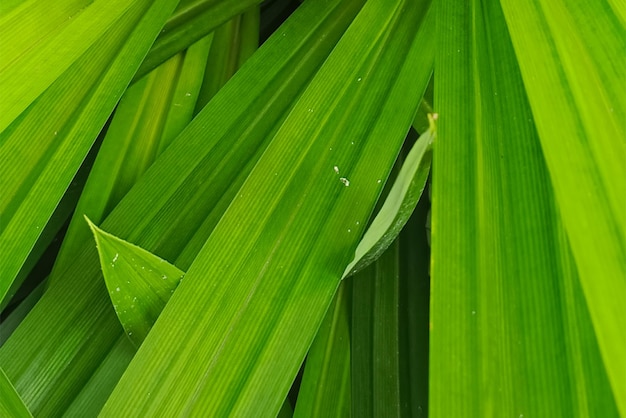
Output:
x,y
240,356
399,204
11,405
150,114
40,44
171,218
509,334
139,283
578,104
83,76
390,326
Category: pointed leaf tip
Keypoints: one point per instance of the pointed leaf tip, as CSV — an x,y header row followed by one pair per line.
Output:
x,y
139,282
399,204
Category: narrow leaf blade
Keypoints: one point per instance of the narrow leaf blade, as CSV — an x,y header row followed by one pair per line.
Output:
x,y
399,204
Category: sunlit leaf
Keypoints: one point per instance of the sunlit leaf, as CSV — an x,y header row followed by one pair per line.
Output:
x,y
578,104
150,114
57,95
508,329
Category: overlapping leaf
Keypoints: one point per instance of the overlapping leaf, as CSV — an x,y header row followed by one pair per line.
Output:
x,y
142,288
167,217
191,21
57,94
11,404
232,351
399,204
578,103
508,329
151,113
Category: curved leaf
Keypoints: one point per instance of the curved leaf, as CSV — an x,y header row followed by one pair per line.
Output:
x,y
399,204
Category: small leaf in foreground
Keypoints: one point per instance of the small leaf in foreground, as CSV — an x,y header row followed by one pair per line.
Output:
x,y
399,205
139,282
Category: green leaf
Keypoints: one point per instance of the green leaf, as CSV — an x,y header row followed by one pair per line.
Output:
x,y
150,114
11,404
95,390
413,311
47,43
390,326
240,356
577,101
83,76
171,210
233,43
325,387
139,283
509,334
191,21
375,338
399,204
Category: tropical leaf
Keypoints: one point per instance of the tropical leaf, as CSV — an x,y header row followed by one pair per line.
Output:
x,y
375,339
191,21
399,203
507,327
168,217
69,77
264,197
142,288
150,114
215,353
11,404
325,388
577,101
233,43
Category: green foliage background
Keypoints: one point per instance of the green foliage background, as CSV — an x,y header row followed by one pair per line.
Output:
x,y
249,144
